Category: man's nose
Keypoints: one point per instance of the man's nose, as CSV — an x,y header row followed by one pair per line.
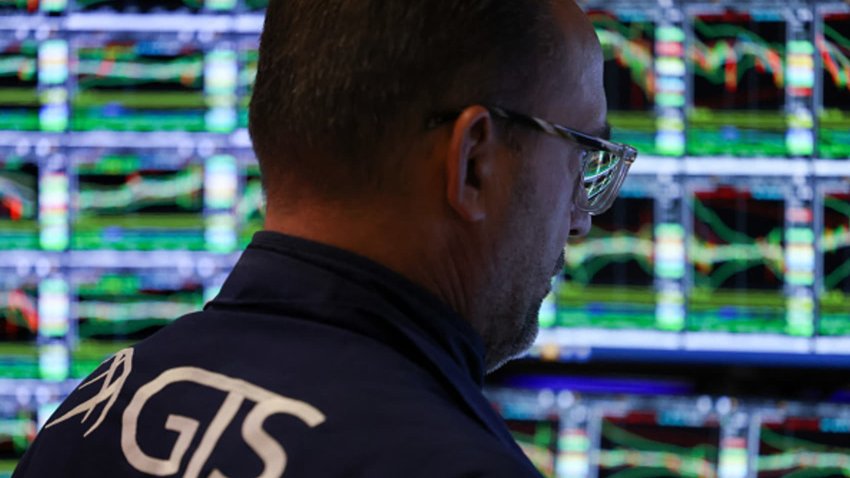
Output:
x,y
580,223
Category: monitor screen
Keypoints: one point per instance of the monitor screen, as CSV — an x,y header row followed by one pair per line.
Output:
x,y
137,199
738,60
152,81
19,195
833,47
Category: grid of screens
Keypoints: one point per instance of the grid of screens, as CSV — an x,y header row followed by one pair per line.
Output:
x,y
722,265
567,434
128,185
728,241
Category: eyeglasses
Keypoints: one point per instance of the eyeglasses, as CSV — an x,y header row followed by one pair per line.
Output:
x,y
604,164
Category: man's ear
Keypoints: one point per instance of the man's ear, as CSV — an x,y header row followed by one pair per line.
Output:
x,y
469,163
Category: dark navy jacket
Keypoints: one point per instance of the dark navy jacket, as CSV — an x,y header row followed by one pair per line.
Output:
x,y
312,362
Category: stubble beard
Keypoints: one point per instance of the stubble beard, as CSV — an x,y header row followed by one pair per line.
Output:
x,y
500,352
514,342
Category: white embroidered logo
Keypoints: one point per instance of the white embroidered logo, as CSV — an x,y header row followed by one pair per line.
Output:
x,y
108,392
238,391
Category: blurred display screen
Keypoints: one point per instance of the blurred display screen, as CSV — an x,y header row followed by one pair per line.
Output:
x,y
835,247
803,445
137,84
834,49
737,252
117,307
639,443
137,200
738,59
19,181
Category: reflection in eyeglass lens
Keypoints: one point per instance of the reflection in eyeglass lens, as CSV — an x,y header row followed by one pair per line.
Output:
x,y
600,172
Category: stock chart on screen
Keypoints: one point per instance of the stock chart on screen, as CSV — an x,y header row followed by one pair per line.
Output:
x,y
641,444
737,253
19,180
615,435
137,200
19,313
151,82
32,76
19,103
835,260
738,62
604,435
794,442
833,45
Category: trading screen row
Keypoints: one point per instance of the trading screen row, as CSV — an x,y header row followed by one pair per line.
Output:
x,y
575,435
98,245
727,78
569,434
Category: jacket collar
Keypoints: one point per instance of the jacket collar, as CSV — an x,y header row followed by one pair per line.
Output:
x,y
343,289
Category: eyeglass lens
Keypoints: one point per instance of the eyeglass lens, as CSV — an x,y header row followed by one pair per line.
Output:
x,y
601,171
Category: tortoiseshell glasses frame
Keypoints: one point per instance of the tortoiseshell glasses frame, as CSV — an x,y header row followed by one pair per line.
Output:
x,y
604,164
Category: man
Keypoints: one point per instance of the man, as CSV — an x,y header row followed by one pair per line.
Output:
x,y
415,220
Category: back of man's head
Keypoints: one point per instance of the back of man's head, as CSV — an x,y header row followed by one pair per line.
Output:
x,y
343,86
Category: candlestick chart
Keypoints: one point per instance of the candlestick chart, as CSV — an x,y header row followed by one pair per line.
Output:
x,y
802,447
137,200
628,47
19,102
738,64
539,441
833,46
18,203
737,257
115,308
138,85
609,274
835,247
640,445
